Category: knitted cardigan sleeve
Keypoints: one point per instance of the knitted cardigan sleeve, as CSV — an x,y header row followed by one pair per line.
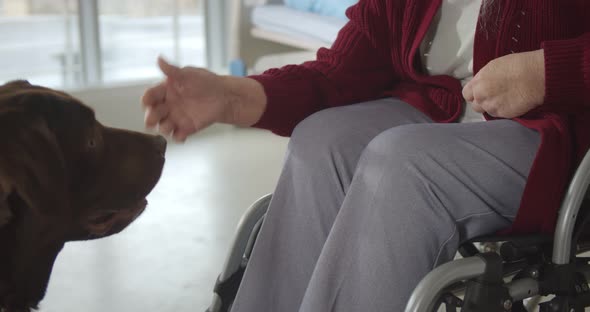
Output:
x,y
567,74
356,68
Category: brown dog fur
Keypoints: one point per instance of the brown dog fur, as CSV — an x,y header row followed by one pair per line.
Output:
x,y
63,177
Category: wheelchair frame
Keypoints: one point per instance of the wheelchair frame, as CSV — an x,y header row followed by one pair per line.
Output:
x,y
523,267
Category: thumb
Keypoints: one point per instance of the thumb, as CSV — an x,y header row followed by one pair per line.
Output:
x,y
168,69
468,92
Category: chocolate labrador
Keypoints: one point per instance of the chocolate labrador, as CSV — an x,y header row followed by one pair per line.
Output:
x,y
63,177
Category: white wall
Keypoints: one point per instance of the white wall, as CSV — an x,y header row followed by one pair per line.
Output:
x,y
116,106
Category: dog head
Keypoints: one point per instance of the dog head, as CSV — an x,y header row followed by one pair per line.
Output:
x,y
63,177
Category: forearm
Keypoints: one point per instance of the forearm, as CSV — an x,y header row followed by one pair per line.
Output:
x,y
567,71
247,100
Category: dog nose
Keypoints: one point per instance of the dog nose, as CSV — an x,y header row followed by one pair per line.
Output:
x,y
161,143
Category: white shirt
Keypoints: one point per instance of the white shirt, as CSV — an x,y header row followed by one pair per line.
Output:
x,y
447,48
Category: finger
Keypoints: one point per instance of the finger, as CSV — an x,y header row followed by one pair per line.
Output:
x,y
202,124
168,69
180,134
184,129
468,92
166,127
155,113
154,95
477,107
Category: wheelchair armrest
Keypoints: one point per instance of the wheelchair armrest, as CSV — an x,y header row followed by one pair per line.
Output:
x,y
513,247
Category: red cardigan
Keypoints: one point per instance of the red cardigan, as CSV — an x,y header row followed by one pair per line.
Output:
x,y
376,55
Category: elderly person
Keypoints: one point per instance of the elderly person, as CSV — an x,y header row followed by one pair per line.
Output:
x,y
427,123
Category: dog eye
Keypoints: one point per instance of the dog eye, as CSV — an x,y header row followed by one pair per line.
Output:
x,y
91,143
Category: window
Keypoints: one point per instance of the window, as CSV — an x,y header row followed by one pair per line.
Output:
x,y
40,42
134,32
73,43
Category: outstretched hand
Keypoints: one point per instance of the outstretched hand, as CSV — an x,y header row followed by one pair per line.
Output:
x,y
188,100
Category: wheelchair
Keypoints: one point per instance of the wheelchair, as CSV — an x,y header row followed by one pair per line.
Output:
x,y
492,273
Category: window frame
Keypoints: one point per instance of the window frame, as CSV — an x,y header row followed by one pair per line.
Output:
x,y
90,46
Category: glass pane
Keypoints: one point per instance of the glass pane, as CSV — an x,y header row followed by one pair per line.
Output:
x,y
39,42
134,32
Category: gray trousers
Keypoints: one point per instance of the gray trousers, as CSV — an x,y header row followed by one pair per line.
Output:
x,y
372,197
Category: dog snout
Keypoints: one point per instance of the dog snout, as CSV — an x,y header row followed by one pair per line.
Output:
x,y
160,143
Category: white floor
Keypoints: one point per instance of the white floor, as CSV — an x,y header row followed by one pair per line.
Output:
x,y
169,258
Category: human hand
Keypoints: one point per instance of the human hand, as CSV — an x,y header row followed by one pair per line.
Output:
x,y
509,86
188,100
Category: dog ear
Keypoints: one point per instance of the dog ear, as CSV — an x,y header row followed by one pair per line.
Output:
x,y
5,213
18,83
32,165
34,196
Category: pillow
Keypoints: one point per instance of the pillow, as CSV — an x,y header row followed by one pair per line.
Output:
x,y
302,5
335,8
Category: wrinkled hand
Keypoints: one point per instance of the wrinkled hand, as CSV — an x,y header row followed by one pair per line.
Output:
x,y
508,86
190,99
